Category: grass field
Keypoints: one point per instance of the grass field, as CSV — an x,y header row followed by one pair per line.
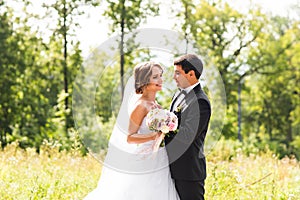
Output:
x,y
24,174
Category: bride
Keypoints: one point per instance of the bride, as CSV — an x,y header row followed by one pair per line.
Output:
x,y
131,170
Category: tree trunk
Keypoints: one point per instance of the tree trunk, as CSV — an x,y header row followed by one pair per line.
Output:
x,y
239,111
65,67
186,33
122,49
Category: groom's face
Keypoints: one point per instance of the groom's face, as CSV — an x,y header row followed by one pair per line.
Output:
x,y
181,77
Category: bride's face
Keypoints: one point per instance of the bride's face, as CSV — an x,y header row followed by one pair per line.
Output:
x,y
155,79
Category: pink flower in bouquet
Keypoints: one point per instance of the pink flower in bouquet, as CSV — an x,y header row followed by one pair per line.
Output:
x,y
172,126
161,120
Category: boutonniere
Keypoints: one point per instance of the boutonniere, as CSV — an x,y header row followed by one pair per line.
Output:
x,y
178,109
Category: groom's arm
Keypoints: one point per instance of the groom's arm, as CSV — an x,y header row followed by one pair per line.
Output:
x,y
193,122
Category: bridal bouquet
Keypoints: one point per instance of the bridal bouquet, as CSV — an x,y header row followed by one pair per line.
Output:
x,y
161,120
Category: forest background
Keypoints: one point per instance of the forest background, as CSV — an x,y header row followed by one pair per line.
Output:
x,y
44,54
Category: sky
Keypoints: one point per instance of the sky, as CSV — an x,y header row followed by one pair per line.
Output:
x,y
94,30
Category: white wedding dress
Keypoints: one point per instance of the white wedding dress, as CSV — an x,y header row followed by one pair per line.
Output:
x,y
144,175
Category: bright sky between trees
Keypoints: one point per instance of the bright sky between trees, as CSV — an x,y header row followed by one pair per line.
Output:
x,y
95,29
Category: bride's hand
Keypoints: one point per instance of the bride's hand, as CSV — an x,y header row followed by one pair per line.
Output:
x,y
159,138
159,135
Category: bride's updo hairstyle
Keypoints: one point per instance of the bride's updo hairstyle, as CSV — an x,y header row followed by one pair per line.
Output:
x,y
142,74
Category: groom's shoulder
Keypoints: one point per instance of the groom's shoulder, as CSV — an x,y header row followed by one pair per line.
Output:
x,y
201,95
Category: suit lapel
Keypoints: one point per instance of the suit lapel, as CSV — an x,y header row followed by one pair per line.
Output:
x,y
187,100
174,99
190,97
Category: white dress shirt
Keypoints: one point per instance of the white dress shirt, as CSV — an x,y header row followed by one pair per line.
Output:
x,y
181,96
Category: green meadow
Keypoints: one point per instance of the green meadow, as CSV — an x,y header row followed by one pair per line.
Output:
x,y
232,174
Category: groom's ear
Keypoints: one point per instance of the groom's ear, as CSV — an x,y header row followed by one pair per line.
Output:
x,y
191,73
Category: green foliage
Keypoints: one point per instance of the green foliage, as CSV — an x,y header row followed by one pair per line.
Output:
x,y
129,12
296,146
260,51
8,68
125,17
223,36
56,174
276,89
24,88
108,96
32,80
256,50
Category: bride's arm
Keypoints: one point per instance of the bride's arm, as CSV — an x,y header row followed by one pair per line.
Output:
x,y
136,119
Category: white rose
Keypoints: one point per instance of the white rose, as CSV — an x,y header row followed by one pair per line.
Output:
x,y
165,129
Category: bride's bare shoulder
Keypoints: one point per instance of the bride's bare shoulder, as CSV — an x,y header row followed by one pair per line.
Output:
x,y
140,107
147,104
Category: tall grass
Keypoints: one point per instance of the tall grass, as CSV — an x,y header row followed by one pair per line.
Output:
x,y
51,174
253,177
232,174
240,171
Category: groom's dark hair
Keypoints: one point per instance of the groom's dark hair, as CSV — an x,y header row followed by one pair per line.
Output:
x,y
190,62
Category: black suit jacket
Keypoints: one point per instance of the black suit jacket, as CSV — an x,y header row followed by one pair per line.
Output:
x,y
185,148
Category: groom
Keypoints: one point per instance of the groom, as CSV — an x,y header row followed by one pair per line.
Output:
x,y
185,148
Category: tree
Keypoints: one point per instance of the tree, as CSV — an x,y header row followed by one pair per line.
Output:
x,y
187,16
25,110
276,60
229,38
224,36
66,12
126,15
10,66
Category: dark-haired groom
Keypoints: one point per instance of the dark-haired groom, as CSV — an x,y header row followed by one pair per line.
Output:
x,y
185,148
